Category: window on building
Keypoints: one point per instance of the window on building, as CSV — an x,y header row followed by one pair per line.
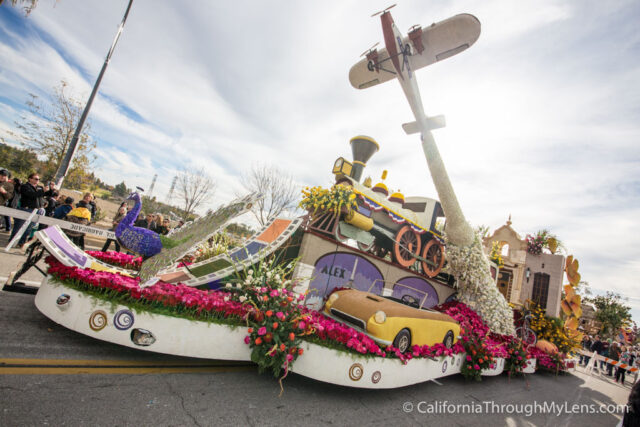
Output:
x,y
505,282
540,290
504,249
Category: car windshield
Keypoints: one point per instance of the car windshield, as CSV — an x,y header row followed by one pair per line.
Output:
x,y
407,298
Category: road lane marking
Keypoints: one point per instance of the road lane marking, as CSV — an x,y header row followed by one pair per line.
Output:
x,y
133,370
3,279
14,366
118,363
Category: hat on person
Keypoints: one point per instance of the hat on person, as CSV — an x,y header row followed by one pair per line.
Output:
x,y
4,172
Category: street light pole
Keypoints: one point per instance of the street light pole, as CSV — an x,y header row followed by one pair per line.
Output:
x,y
66,161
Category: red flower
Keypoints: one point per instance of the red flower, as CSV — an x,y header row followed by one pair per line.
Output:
x,y
283,347
292,336
300,351
269,313
258,341
275,325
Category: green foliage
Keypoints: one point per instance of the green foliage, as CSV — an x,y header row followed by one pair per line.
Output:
x,y
151,205
477,358
276,323
19,161
496,254
517,360
121,190
216,245
612,311
240,229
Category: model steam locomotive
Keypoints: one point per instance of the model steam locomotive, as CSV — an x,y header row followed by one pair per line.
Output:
x,y
409,230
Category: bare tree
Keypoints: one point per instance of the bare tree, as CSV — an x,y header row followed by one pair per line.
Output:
x,y
48,129
194,187
278,188
28,7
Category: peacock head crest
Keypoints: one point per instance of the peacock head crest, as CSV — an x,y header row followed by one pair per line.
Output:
x,y
135,195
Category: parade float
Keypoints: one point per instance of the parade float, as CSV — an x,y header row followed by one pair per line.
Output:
x,y
354,293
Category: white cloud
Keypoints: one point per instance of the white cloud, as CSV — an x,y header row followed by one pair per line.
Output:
x,y
541,112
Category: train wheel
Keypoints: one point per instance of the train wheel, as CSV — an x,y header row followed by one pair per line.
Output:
x,y
407,243
434,253
379,251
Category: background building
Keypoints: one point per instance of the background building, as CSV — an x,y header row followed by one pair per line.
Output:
x,y
524,275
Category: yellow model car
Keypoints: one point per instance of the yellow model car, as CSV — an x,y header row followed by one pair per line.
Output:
x,y
389,322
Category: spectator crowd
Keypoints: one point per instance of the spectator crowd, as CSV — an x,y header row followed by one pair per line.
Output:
x,y
29,195
615,350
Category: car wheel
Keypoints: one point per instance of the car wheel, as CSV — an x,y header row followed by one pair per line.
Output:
x,y
448,339
403,340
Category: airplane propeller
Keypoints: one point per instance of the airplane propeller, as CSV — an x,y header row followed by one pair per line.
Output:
x,y
366,52
383,11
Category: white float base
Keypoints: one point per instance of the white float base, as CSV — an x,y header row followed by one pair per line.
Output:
x,y
183,337
530,367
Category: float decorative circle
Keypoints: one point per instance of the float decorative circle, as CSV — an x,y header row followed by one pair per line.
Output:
x,y
444,367
63,299
123,320
98,320
375,377
355,372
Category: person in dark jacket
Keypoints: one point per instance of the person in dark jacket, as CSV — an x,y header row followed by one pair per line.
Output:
x,y
31,197
586,345
597,347
6,194
52,203
87,202
631,416
614,353
119,216
62,210
147,222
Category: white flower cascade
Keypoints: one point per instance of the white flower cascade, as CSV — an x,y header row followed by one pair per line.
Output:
x,y
476,287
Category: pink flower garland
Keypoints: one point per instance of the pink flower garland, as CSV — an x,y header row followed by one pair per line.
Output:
x,y
168,295
325,329
118,259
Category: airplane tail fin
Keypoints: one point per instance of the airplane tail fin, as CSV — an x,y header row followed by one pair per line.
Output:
x,y
436,122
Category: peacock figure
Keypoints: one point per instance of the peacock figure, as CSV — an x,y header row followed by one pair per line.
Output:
x,y
137,239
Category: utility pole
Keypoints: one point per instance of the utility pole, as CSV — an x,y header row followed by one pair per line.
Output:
x,y
66,161
173,186
153,184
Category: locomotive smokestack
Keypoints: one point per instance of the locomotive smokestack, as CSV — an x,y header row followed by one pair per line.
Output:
x,y
362,147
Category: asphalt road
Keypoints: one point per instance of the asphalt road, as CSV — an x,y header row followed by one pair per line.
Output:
x,y
50,375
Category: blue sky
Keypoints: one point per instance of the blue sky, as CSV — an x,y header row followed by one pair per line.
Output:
x,y
542,112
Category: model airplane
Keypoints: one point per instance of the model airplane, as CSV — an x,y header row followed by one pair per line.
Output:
x,y
402,56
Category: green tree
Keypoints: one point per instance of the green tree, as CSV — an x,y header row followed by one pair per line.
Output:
x,y
20,162
48,129
121,190
612,311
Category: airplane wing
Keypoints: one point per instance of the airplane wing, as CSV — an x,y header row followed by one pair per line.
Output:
x,y
440,41
361,77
